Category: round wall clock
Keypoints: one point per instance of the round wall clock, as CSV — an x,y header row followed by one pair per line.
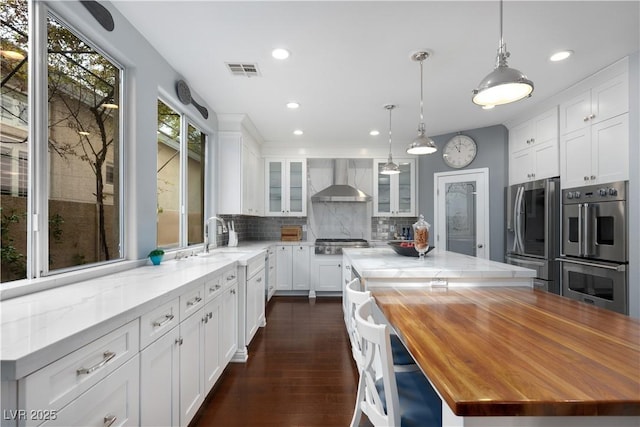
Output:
x,y
459,151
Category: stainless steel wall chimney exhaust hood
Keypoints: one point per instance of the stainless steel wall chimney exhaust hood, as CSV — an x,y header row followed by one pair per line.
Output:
x,y
340,191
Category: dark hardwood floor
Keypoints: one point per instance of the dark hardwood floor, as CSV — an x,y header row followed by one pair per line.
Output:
x,y
300,371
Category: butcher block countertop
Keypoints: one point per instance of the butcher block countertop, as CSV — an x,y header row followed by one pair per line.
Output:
x,y
515,351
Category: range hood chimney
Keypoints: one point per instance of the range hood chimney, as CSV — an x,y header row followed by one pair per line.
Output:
x,y
340,191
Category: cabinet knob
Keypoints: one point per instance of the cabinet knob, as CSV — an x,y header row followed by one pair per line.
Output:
x,y
593,177
592,116
533,140
585,119
586,178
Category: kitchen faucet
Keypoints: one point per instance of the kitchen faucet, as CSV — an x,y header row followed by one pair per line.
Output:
x,y
206,231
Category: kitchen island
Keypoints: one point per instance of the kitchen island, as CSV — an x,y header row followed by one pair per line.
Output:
x,y
439,268
507,354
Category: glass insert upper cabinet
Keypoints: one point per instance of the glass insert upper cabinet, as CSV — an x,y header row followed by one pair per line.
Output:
x,y
395,195
286,187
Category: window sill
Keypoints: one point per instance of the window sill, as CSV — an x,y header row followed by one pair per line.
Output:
x,y
28,286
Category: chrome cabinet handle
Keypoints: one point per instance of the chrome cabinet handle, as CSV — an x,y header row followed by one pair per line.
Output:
x,y
179,341
108,420
215,288
348,267
593,177
259,279
233,291
194,301
231,277
166,319
106,356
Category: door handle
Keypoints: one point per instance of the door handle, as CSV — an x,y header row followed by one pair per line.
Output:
x,y
480,246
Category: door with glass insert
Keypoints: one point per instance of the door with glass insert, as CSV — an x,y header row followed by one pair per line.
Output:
x,y
461,212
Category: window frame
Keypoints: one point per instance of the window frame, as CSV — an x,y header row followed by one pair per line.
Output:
x,y
186,120
39,164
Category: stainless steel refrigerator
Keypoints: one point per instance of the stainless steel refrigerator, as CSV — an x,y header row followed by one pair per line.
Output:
x,y
533,230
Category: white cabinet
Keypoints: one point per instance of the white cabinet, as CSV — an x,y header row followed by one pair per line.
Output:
x,y
286,187
597,154
114,401
192,376
212,339
534,148
596,104
271,272
229,323
594,147
240,189
255,303
326,273
292,268
66,380
395,195
251,303
160,381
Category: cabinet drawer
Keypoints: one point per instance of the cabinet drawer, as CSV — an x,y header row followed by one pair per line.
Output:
x,y
191,301
255,265
57,384
113,402
158,321
212,287
229,277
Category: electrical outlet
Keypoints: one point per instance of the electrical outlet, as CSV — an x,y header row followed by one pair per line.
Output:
x,y
219,229
392,228
304,227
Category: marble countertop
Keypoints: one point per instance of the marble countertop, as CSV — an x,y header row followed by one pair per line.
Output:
x,y
41,327
439,267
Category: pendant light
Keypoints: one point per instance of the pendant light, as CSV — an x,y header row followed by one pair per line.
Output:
x,y
422,144
390,168
503,85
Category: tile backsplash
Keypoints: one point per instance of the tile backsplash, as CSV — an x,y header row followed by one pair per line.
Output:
x,y
268,228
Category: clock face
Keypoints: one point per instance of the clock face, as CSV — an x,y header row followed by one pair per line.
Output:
x,y
459,151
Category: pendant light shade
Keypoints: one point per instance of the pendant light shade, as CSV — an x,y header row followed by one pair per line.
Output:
x,y
390,168
422,144
503,85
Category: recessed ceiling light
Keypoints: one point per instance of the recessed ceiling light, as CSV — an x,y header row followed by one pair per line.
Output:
x,y
488,107
374,133
561,55
293,105
280,53
297,132
81,132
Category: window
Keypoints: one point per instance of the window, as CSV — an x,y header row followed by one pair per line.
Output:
x,y
83,87
84,123
14,138
180,180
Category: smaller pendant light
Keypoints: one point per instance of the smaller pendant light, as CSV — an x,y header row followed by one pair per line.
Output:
x,y
390,168
503,85
422,144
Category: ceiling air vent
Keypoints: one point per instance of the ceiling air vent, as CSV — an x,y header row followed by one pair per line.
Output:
x,y
243,69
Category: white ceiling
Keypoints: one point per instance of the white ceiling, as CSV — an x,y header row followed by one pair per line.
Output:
x,y
348,59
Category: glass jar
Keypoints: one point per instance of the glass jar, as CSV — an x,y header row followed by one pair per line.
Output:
x,y
421,236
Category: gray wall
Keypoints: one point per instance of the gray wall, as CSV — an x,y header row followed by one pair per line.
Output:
x,y
493,154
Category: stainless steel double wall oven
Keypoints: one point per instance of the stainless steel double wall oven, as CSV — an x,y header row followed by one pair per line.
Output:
x,y
533,230
594,245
